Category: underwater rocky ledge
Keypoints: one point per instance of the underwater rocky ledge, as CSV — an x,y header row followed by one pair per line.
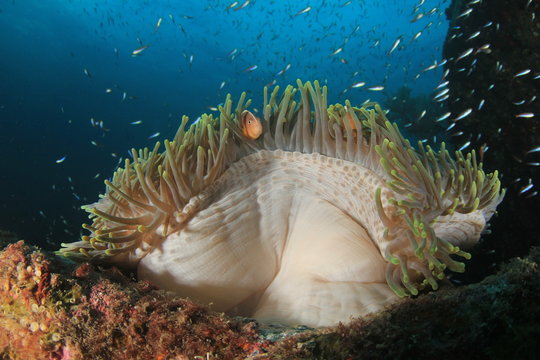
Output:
x,y
53,309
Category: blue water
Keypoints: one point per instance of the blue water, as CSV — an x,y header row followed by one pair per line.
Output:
x,y
64,63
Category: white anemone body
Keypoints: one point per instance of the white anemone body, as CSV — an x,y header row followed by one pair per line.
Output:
x,y
281,236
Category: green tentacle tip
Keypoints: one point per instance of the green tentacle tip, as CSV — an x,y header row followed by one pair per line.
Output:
x,y
440,275
412,289
475,204
398,290
394,260
459,267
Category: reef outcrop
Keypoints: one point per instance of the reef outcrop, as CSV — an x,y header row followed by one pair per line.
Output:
x,y
53,309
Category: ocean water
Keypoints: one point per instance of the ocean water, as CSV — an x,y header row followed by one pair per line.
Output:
x,y
83,82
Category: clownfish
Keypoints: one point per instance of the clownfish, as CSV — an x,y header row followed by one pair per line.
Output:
x,y
250,125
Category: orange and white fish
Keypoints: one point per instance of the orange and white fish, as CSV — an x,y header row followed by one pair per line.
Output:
x,y
251,125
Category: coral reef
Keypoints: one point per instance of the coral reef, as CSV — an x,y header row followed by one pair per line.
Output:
x,y
55,310
51,309
498,81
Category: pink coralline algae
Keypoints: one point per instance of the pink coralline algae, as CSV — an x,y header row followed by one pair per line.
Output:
x,y
52,310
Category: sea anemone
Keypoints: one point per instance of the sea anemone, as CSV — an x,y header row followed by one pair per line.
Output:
x,y
329,213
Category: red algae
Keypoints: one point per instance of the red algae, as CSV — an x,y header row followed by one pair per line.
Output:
x,y
29,317
54,310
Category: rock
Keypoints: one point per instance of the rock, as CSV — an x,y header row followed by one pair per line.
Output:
x,y
54,309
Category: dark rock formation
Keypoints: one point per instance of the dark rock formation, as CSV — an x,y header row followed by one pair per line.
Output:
x,y
500,82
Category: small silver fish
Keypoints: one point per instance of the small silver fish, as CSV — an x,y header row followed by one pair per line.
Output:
x,y
464,146
416,36
394,46
463,114
303,11
158,24
231,5
431,67
473,36
481,104
465,54
444,117
441,93
232,53
432,11
246,3
465,13
443,84
251,68
358,84
337,51
526,188
139,50
522,73
417,17
443,97
533,150
525,115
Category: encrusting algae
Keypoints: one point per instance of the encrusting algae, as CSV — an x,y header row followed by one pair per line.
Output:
x,y
244,221
52,310
94,314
